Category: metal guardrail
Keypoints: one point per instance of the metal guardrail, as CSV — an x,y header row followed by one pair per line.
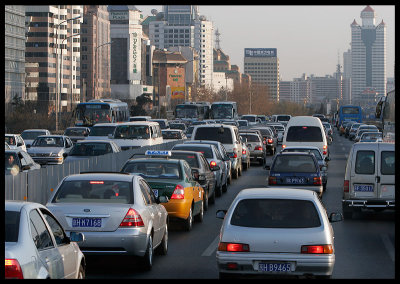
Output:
x,y
37,185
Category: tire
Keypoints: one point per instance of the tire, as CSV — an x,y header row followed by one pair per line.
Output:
x,y
218,190
199,217
246,165
211,199
240,170
205,199
324,187
225,187
230,178
188,223
81,273
147,263
162,249
235,174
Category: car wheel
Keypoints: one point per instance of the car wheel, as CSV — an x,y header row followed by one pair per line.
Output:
x,y
205,198
235,174
188,223
162,249
230,178
240,170
211,199
245,166
225,186
324,186
81,273
199,217
148,256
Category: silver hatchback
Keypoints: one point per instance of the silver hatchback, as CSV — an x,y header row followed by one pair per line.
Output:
x,y
270,231
118,213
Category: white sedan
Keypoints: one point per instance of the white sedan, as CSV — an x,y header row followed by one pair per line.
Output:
x,y
270,231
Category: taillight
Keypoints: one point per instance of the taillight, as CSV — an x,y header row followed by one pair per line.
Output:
x,y
213,164
132,219
319,249
317,181
13,269
244,152
270,141
283,146
179,192
346,186
258,148
233,155
272,180
233,247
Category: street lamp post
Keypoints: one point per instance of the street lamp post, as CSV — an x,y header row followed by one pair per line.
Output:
x,y
96,68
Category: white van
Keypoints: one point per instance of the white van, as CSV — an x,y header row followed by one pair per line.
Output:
x,y
136,134
100,131
306,131
228,135
369,180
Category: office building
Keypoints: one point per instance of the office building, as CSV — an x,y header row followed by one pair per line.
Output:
x,y
262,64
368,55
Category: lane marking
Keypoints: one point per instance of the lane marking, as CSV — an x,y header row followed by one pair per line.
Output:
x,y
212,247
388,245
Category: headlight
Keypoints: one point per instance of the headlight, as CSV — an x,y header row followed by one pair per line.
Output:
x,y
56,155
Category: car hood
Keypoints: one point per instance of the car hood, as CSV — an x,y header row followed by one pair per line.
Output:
x,y
45,150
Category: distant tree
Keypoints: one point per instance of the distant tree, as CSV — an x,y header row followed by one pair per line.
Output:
x,y
137,109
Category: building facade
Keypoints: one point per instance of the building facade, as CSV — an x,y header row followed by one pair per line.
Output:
x,y
368,55
262,64
14,57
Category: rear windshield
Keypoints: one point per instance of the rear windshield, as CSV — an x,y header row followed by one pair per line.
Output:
x,y
275,213
31,135
387,162
102,130
206,151
304,134
154,170
316,152
191,159
294,163
249,118
11,220
177,126
171,135
95,191
251,138
220,134
90,149
283,118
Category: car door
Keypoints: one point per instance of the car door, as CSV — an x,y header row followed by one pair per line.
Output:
x,y
221,164
68,250
363,177
210,177
197,196
48,253
385,177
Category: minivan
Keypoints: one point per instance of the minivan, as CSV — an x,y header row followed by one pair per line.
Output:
x,y
306,131
369,180
136,134
228,135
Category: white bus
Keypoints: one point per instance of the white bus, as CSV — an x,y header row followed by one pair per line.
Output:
x,y
224,110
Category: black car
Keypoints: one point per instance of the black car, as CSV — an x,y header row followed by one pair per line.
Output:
x,y
202,172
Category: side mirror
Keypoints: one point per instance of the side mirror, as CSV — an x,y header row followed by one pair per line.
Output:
x,y
162,199
76,237
220,214
335,217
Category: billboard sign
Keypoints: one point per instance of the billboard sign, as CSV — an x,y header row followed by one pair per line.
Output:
x,y
260,52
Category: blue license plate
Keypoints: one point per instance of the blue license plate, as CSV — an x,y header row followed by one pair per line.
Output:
x,y
275,267
86,222
295,180
363,188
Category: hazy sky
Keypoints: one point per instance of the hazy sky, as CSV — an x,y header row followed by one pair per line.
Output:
x,y
307,38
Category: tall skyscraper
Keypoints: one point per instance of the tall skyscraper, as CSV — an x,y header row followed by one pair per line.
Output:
x,y
262,64
182,25
368,55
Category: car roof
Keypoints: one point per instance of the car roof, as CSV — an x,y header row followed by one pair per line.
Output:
x,y
194,144
279,193
155,159
95,141
100,176
215,125
203,142
301,147
106,124
29,130
16,205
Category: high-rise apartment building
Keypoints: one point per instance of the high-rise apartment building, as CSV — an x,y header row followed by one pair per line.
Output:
x,y
95,53
368,55
346,83
53,52
262,64
182,25
14,57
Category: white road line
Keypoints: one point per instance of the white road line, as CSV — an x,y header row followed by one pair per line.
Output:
x,y
212,247
388,245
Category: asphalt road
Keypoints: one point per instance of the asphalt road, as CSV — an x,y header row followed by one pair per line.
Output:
x,y
364,245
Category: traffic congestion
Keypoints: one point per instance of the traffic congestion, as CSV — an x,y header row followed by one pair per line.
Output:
x,y
262,186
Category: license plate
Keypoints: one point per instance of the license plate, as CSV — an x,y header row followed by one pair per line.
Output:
x,y
155,192
275,267
86,222
295,180
363,188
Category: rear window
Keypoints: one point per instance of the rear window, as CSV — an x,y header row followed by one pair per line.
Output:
x,y
251,138
293,163
275,213
365,162
316,153
206,151
31,135
387,162
283,118
94,191
154,170
11,220
191,159
304,134
220,134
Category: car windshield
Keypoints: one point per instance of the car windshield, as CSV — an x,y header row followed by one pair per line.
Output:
x,y
154,170
10,140
275,213
191,159
94,191
75,132
304,134
90,149
206,151
48,142
220,134
132,132
31,135
11,220
293,163
316,152
171,135
102,130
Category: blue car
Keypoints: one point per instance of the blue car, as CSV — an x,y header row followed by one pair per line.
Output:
x,y
295,170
